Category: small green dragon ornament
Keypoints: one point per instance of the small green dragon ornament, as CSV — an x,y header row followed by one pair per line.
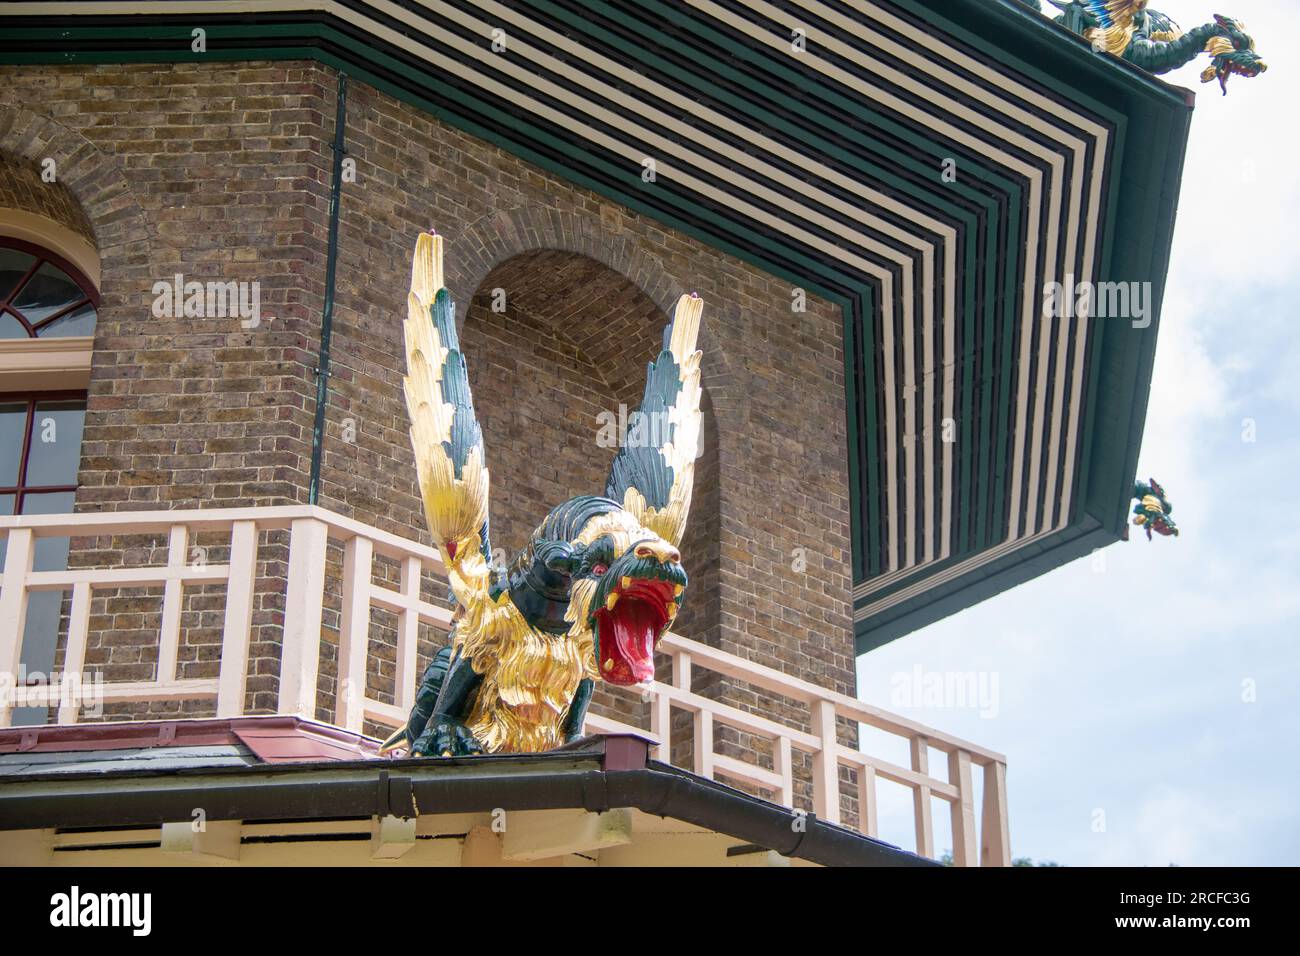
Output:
x,y
1151,40
1152,510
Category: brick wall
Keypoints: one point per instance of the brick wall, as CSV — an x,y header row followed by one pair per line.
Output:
x,y
212,172
223,171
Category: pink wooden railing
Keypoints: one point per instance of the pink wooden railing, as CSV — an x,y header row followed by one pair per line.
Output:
x,y
312,529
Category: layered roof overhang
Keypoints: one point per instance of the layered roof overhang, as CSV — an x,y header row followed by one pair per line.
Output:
x,y
931,166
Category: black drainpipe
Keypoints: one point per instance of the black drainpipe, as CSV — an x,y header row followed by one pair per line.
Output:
x,y
327,319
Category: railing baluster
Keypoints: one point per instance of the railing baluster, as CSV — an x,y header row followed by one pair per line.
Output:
x,y
965,849
783,764
867,821
995,839
74,655
13,610
826,763
704,744
408,634
661,725
232,680
303,604
681,670
354,633
921,798
169,637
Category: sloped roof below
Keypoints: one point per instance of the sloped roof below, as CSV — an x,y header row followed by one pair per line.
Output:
x,y
194,743
128,758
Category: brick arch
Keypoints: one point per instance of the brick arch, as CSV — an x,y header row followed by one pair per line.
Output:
x,y
602,315
94,178
21,187
573,336
484,244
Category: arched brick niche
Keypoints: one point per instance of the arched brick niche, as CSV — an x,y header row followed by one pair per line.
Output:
x,y
21,187
89,195
47,213
569,341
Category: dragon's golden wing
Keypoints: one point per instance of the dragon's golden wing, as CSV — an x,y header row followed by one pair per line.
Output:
x,y
1163,29
445,435
1116,19
655,469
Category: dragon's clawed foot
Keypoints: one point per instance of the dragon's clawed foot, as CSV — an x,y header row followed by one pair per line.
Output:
x,y
445,738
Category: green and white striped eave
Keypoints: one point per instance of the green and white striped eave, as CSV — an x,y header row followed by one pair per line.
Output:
x,y
826,167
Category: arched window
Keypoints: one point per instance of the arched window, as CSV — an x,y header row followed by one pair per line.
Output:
x,y
48,311
43,295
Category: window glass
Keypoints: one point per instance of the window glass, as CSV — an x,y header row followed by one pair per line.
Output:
x,y
14,264
44,608
47,460
48,292
13,421
79,321
54,450
49,554
6,508
11,328
38,287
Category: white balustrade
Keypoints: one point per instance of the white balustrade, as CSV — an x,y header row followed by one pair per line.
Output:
x,y
312,530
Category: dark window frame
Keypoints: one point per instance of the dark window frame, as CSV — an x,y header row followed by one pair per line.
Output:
x,y
32,398
41,255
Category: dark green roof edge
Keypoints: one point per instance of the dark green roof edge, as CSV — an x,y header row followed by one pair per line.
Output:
x,y
992,579
1137,246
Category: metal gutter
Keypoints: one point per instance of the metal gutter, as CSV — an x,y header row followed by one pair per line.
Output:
x,y
598,775
327,318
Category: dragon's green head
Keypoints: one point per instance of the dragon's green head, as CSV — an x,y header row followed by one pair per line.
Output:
x,y
1233,53
593,572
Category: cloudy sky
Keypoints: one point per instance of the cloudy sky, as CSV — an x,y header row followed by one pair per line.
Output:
x,y
1148,707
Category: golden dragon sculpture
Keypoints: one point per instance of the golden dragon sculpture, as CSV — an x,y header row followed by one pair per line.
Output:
x,y
600,579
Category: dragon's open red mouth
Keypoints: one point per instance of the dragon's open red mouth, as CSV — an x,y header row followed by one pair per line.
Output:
x,y
628,627
1233,68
